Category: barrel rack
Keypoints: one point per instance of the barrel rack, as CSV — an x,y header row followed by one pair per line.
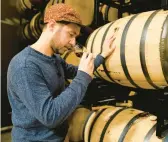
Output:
x,y
161,96
162,121
124,6
165,4
101,93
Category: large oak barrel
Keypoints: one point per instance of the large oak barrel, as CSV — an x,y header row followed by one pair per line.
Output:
x,y
24,8
89,122
76,124
116,124
51,2
70,58
25,32
109,13
140,59
36,25
84,8
40,4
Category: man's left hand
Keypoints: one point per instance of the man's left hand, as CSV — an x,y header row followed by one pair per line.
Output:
x,y
109,44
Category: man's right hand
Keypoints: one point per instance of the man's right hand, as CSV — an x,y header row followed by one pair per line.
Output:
x,y
87,63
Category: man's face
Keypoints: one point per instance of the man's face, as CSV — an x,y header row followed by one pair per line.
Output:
x,y
65,38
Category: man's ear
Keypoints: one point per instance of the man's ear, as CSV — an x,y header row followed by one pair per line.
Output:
x,y
51,24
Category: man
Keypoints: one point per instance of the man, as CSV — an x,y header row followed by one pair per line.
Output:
x,y
39,101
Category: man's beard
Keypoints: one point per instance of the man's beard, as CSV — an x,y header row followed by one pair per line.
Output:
x,y
55,50
58,51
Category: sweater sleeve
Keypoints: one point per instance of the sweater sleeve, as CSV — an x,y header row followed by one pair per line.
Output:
x,y
69,69
98,61
31,89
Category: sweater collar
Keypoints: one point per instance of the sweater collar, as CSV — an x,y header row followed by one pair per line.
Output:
x,y
41,55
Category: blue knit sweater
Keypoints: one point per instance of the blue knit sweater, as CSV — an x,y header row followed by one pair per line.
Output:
x,y
38,98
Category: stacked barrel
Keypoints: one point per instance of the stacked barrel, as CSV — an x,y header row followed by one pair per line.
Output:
x,y
31,15
71,58
139,61
141,56
32,11
113,124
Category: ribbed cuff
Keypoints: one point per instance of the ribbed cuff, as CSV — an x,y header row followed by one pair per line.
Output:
x,y
98,61
84,76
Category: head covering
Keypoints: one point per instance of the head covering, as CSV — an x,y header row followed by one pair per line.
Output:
x,y
62,12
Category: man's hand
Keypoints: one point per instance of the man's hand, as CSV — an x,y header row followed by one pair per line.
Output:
x,y
110,47
87,63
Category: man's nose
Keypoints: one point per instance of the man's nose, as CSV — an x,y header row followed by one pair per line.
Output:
x,y
73,42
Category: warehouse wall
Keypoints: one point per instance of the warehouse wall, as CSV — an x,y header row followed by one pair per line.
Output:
x,y
9,47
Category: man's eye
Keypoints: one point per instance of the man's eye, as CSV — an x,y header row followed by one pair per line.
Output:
x,y
71,35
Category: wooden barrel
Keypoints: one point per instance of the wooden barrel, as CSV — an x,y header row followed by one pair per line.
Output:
x,y
25,32
39,4
92,117
109,13
36,25
140,59
123,125
76,124
24,8
84,8
70,58
125,14
51,2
